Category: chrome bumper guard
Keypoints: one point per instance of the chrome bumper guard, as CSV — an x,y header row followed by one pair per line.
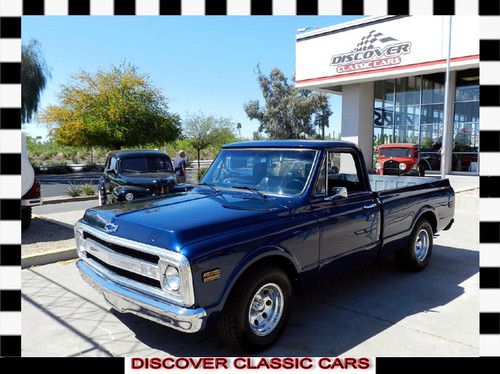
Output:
x,y
126,300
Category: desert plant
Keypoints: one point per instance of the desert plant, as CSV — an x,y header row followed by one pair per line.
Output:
x,y
88,189
74,190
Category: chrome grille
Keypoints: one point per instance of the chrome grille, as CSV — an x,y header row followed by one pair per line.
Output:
x,y
133,264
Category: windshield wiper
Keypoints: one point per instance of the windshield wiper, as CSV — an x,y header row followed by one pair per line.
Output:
x,y
209,185
254,190
130,171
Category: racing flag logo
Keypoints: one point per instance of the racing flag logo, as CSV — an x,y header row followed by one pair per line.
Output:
x,y
374,50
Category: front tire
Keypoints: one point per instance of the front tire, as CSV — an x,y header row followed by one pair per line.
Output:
x,y
257,310
417,254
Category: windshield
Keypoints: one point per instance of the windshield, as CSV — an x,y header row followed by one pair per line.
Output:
x,y
395,152
277,172
146,164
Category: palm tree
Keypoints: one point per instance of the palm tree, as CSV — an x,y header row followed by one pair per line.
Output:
x,y
34,76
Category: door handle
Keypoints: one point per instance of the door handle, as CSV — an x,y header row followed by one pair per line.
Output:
x,y
370,206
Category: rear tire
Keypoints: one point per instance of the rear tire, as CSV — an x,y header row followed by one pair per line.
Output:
x,y
263,296
25,218
417,254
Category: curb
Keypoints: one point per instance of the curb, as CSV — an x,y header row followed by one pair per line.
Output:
x,y
48,257
66,199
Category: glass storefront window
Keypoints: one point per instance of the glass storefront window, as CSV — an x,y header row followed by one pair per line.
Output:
x,y
433,88
407,115
465,162
466,137
406,134
407,91
431,138
411,110
431,160
466,122
432,113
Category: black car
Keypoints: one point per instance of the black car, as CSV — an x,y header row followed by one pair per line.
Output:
x,y
137,174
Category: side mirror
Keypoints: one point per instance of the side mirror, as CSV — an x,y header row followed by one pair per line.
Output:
x,y
338,192
110,171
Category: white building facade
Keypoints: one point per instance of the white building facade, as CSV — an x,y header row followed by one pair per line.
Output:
x,y
390,71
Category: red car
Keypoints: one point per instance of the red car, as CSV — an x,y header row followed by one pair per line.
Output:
x,y
399,159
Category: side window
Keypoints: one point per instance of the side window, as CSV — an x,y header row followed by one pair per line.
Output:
x,y
339,169
343,171
112,163
320,189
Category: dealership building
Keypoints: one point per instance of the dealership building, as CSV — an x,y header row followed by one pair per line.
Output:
x,y
391,71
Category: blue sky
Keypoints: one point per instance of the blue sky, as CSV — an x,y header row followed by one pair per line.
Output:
x,y
202,63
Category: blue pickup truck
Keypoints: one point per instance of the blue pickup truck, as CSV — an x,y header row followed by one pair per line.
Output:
x,y
267,218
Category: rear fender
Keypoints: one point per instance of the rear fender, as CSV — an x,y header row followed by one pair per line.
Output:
x,y
427,209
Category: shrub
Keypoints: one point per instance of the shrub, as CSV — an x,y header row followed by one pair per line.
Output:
x,y
201,172
88,189
74,190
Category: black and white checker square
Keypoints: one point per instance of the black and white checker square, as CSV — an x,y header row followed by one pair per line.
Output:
x,y
11,12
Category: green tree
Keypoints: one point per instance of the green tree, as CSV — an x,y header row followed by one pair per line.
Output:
x,y
113,109
288,112
34,77
203,131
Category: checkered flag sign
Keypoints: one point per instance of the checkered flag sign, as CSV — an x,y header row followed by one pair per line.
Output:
x,y
372,40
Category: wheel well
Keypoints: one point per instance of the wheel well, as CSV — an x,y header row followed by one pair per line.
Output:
x,y
279,261
431,218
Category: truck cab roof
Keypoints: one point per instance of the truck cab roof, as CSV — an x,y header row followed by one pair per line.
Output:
x,y
398,145
135,152
314,144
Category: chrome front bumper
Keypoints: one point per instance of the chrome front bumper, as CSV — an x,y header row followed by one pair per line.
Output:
x,y
126,300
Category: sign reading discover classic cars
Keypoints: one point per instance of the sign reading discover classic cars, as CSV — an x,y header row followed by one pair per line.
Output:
x,y
383,46
373,51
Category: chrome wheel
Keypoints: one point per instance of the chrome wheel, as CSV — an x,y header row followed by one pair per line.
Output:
x,y
266,309
422,245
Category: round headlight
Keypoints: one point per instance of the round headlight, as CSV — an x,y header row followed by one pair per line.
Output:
x,y
402,166
129,196
172,279
378,165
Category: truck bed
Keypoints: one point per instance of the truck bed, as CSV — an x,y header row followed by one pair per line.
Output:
x,y
381,183
404,199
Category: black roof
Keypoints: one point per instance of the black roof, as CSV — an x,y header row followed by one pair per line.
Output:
x,y
136,152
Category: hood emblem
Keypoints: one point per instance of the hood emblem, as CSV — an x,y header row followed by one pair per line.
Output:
x,y
110,227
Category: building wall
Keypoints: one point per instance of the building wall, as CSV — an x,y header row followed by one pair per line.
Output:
x,y
357,117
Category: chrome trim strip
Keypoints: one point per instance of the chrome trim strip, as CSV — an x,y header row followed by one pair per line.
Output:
x,y
118,260
128,301
185,295
31,202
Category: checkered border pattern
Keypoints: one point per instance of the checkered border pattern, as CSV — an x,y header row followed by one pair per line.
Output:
x,y
10,134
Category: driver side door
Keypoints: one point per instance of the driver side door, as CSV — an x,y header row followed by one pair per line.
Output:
x,y
349,226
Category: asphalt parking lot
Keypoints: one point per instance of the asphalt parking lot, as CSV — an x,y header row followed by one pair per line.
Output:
x,y
376,311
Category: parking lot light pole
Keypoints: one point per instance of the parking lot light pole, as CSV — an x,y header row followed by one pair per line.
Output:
x,y
446,143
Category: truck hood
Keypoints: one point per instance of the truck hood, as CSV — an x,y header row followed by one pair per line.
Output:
x,y
147,179
181,219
